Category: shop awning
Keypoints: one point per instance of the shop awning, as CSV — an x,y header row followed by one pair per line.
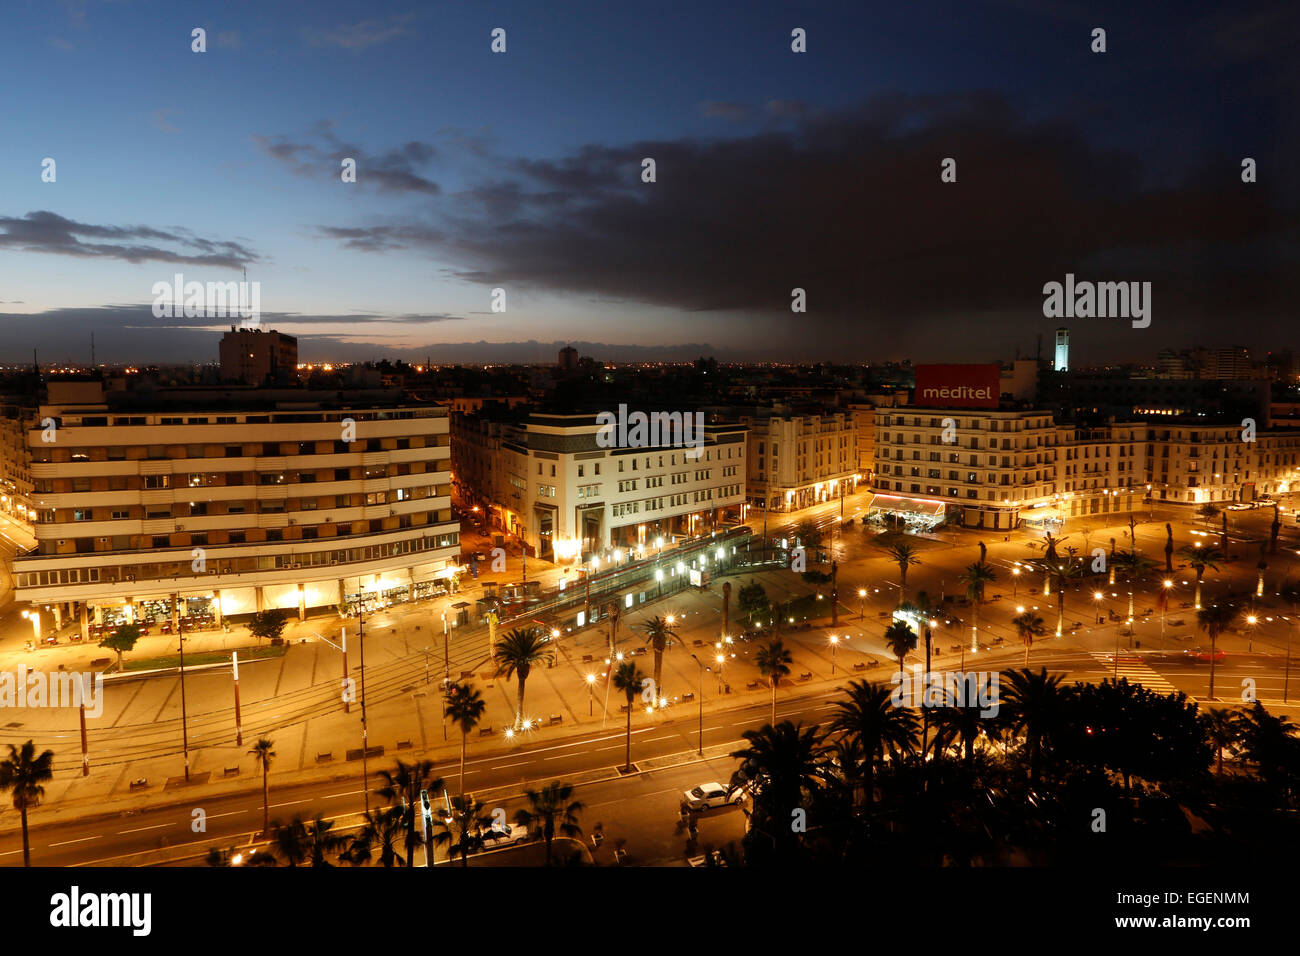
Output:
x,y
926,507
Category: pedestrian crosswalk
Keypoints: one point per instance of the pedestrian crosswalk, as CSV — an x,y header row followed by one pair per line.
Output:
x,y
1136,671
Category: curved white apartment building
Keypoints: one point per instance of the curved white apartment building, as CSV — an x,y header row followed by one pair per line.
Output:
x,y
209,502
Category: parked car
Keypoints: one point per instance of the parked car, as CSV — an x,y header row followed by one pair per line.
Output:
x,y
509,835
1243,505
709,795
1203,654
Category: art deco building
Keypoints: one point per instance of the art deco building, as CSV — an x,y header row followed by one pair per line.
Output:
x,y
215,502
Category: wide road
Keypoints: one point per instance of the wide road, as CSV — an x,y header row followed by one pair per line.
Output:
x,y
590,760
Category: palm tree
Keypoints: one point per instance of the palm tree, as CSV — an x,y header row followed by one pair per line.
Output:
x,y
1223,728
461,830
322,843
901,641
659,634
629,679
383,827
1200,559
961,722
783,766
773,662
1033,704
263,753
402,786
1214,620
924,611
1065,570
869,716
550,811
516,654
465,706
291,843
1135,568
23,772
1269,742
904,555
1029,626
975,577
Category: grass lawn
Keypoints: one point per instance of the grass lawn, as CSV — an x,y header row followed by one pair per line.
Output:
x,y
246,654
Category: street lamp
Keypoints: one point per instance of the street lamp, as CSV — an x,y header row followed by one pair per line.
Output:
x,y
35,618
862,603
1015,581
591,695
1252,620
835,643
702,670
1096,596
1164,608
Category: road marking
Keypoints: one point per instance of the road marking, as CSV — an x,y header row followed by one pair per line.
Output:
x,y
156,826
82,840
520,764
10,852
291,803
350,793
231,813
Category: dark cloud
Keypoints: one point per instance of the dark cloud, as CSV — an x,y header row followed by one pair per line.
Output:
x,y
321,156
48,232
849,206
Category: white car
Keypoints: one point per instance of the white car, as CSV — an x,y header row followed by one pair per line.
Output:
x,y
709,795
495,837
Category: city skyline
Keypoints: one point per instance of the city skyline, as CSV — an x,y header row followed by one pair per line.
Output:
x,y
775,170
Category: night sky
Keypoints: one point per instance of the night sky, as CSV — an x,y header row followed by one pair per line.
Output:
x,y
522,170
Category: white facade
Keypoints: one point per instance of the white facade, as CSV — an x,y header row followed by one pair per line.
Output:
x,y
238,510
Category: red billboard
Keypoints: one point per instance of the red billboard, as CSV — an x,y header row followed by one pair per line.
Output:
x,y
957,386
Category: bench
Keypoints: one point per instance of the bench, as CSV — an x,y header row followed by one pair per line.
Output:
x,y
403,745
807,676
101,662
686,697
937,651
139,784
997,640
697,643
955,649
486,731
754,685
859,667
622,708
325,757
556,720
466,675
586,658
231,772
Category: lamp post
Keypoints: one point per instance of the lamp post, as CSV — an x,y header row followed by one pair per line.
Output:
x,y
702,670
185,734
1015,581
1286,680
234,670
591,695
1096,597
1164,608
835,643
365,733
862,603
1252,620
